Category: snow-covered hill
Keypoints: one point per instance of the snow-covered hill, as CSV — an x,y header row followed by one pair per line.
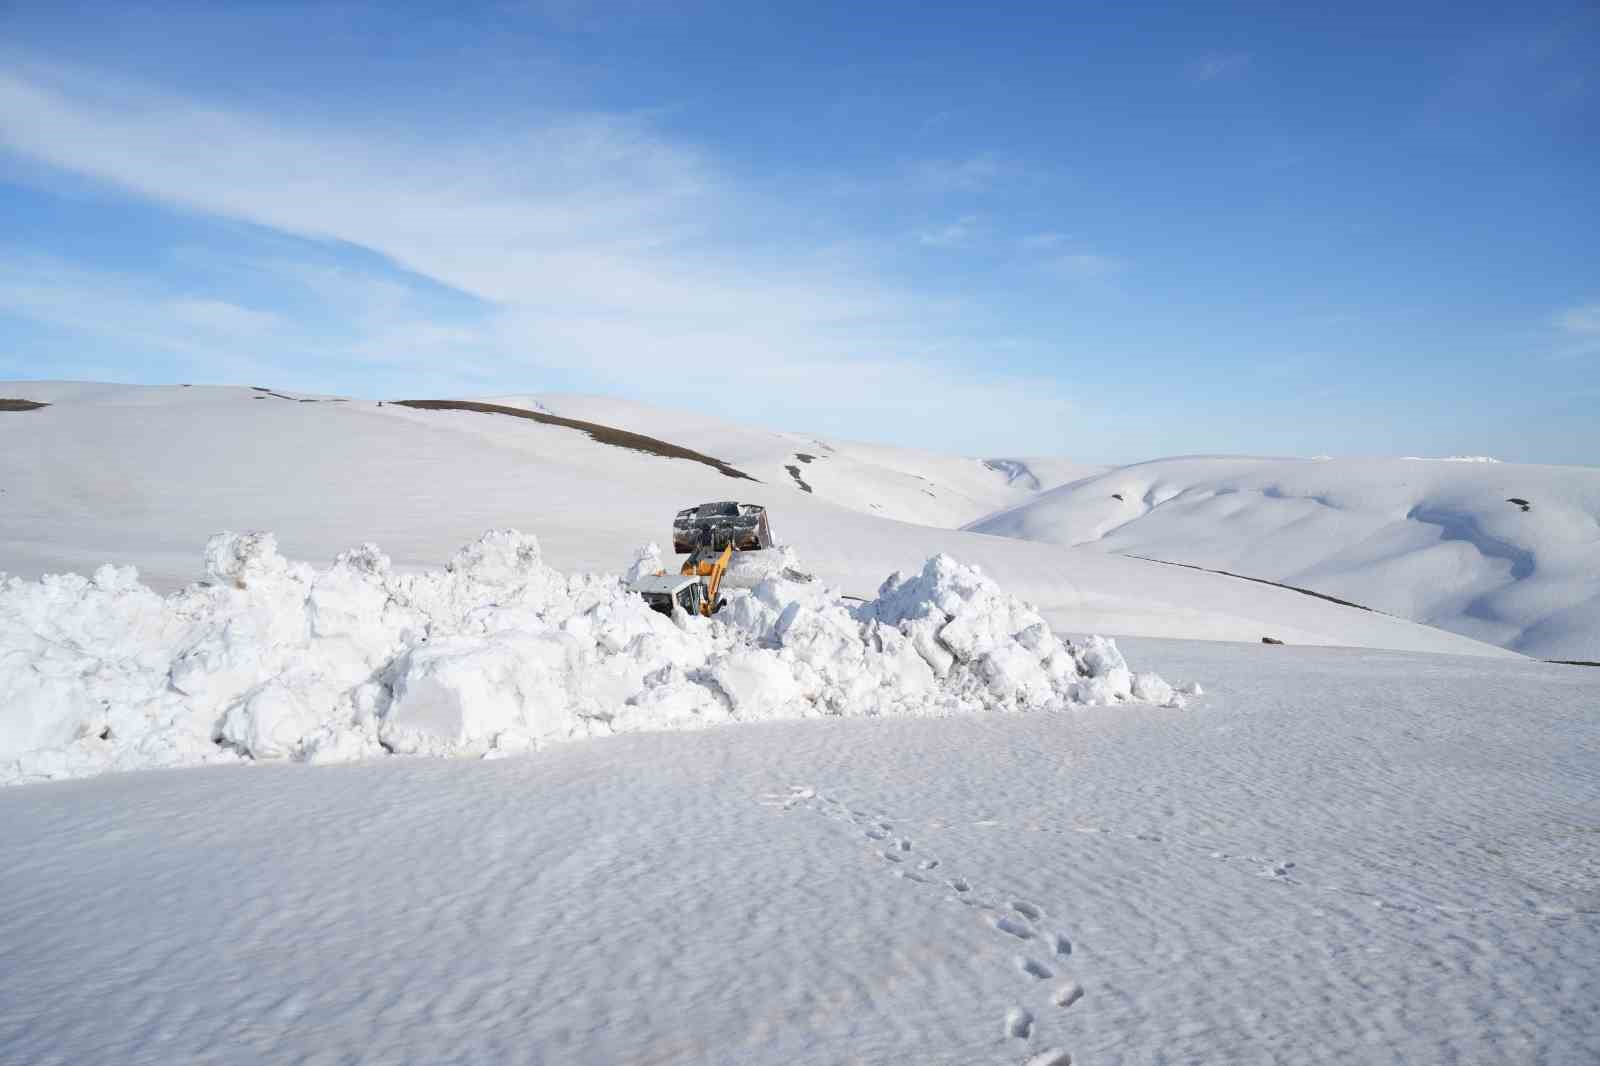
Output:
x,y
144,476
1502,552
928,488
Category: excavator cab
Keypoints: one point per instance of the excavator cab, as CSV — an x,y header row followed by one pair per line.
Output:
x,y
672,593
693,590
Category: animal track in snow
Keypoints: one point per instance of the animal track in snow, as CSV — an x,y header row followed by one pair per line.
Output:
x,y
1068,994
1019,1023
797,794
1011,916
1276,870
1011,927
1033,968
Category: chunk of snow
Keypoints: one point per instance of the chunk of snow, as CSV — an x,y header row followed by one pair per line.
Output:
x,y
646,561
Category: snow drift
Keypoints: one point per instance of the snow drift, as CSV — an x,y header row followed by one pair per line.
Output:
x,y
498,653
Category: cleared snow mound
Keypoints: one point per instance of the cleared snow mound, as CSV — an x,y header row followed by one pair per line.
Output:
x,y
495,654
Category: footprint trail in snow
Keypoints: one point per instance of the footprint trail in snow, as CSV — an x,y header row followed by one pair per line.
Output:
x,y
1015,922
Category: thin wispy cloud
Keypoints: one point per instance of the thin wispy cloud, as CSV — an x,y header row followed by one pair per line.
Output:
x,y
603,198
954,235
1214,65
1579,329
1085,266
589,212
60,294
1581,321
141,314
938,121
967,174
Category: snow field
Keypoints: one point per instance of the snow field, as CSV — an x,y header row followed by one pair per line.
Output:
x,y
496,654
1336,856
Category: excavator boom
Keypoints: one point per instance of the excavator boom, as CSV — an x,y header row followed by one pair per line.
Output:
x,y
703,564
714,581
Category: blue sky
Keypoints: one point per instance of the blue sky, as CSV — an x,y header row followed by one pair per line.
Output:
x,y
1112,232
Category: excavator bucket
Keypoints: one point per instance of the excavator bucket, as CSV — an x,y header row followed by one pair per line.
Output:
x,y
712,527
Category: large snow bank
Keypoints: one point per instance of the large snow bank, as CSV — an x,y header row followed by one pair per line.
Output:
x,y
497,653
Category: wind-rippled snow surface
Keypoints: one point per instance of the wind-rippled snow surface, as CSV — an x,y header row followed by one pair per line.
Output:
x,y
496,654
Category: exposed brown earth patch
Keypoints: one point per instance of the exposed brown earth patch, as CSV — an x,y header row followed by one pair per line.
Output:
x,y
617,438
1263,581
20,405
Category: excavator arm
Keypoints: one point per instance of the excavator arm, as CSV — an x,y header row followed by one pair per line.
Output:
x,y
714,581
703,564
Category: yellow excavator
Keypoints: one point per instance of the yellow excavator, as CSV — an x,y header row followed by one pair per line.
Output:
x,y
710,533
695,589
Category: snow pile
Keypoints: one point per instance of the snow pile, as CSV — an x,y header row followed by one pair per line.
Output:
x,y
496,654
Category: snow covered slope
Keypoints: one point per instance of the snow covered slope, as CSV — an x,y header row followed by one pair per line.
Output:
x,y
145,475
1505,553
928,488
1335,856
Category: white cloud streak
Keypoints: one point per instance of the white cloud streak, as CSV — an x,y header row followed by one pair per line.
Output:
x,y
1214,65
108,305
1580,332
590,212
594,244
968,174
954,235
1580,321
1085,266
